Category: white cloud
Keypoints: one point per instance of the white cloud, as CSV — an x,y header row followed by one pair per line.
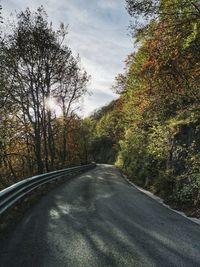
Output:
x,y
112,4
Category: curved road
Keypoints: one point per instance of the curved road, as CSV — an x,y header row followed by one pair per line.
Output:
x,y
98,219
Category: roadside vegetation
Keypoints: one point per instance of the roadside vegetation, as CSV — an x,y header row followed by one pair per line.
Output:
x,y
154,127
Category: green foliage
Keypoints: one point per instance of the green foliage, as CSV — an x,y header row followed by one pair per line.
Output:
x,y
132,157
193,35
160,96
188,193
108,128
159,142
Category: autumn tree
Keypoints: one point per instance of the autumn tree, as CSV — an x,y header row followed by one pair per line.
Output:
x,y
158,144
40,68
71,87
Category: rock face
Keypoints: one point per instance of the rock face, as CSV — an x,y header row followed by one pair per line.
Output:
x,y
186,144
185,156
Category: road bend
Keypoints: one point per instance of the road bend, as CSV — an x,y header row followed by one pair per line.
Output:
x,y
98,219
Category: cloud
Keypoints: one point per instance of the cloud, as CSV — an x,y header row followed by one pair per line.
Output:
x,y
105,4
97,32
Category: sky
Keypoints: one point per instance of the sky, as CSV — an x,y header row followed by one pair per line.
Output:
x,y
98,32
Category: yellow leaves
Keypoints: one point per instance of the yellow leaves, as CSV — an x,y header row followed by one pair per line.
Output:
x,y
148,65
191,37
144,105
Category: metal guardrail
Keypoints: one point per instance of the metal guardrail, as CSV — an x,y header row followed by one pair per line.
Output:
x,y
10,195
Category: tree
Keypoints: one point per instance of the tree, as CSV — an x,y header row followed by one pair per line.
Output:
x,y
41,68
158,144
72,86
1,19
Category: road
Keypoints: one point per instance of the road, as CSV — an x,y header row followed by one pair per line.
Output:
x,y
98,219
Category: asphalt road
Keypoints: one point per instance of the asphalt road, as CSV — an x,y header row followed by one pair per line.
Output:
x,y
98,219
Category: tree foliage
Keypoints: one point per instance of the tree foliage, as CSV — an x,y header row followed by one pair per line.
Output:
x,y
159,92
40,77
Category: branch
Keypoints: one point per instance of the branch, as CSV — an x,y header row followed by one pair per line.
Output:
x,y
197,6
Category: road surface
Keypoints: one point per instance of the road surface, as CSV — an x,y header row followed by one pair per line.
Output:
x,y
98,219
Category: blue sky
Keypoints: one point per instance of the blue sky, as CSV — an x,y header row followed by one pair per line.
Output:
x,y
97,32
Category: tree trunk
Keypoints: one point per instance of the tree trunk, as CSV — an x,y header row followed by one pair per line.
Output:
x,y
40,165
